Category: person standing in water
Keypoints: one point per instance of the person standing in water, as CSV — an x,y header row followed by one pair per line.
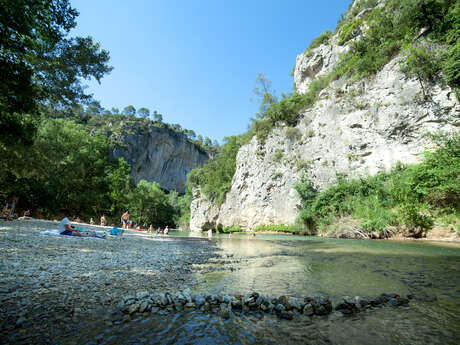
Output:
x,y
210,234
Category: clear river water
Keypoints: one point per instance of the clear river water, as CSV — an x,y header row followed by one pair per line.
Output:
x,y
298,266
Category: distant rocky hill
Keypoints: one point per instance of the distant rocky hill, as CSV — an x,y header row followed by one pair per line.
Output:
x,y
158,154
355,128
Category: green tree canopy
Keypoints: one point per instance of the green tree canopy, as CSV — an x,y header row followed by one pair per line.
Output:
x,y
40,64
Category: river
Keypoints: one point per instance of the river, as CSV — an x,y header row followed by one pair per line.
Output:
x,y
298,266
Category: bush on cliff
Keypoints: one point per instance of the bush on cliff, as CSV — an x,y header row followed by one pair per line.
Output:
x,y
410,196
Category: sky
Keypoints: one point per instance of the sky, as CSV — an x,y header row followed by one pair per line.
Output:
x,y
196,61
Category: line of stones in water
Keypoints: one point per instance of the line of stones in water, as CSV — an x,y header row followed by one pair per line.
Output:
x,y
286,308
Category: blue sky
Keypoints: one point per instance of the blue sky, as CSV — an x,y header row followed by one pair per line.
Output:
x,y
196,61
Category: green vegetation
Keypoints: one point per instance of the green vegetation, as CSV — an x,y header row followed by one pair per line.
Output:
x,y
321,39
398,25
287,110
215,178
276,228
421,63
114,122
55,142
278,155
67,170
40,64
409,196
229,229
292,133
389,30
350,30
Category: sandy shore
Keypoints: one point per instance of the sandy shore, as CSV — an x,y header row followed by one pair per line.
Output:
x,y
51,286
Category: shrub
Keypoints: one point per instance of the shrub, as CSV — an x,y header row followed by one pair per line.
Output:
x,y
215,177
421,63
230,229
276,228
408,195
321,39
349,31
288,109
277,175
292,133
452,67
278,155
302,164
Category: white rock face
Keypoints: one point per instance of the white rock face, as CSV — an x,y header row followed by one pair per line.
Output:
x,y
159,155
322,61
355,129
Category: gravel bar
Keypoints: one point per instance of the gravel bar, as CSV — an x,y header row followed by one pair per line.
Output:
x,y
52,286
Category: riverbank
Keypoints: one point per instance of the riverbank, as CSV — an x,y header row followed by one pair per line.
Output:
x,y
435,235
53,286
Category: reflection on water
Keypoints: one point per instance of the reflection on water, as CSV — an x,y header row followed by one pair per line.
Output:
x,y
299,266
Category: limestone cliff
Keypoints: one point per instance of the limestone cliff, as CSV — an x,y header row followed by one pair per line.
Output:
x,y
355,128
159,154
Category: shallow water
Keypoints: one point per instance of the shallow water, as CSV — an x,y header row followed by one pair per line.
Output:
x,y
305,266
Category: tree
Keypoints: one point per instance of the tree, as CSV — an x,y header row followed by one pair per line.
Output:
x,y
191,134
422,64
148,204
207,141
39,64
144,113
94,108
157,116
264,94
129,111
70,166
200,139
176,127
119,186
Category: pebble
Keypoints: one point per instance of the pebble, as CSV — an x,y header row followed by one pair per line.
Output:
x,y
63,280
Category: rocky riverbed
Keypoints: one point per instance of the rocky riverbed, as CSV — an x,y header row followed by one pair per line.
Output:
x,y
53,286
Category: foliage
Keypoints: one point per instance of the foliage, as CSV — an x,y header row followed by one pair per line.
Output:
x,y
119,185
276,228
408,195
396,25
215,177
292,133
421,63
113,123
452,67
264,93
287,110
321,39
40,64
229,229
278,155
349,31
148,204
66,170
182,209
